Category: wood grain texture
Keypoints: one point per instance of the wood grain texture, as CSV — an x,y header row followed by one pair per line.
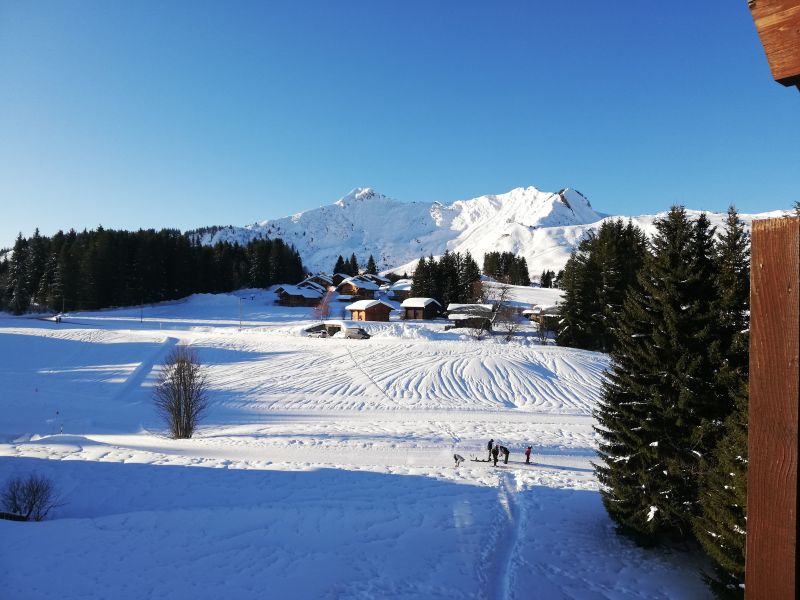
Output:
x,y
773,412
778,25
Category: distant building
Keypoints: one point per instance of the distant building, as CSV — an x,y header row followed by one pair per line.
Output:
x,y
322,279
547,316
358,286
400,289
369,310
338,278
420,308
293,295
473,316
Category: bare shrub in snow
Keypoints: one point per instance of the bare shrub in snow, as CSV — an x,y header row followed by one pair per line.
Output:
x,y
322,310
31,498
541,333
181,392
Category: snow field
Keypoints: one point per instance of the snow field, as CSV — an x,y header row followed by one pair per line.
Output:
x,y
324,468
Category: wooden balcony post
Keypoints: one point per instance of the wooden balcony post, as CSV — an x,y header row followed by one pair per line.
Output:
x,y
772,494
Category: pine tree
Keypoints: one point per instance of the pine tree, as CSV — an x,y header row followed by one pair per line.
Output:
x,y
19,299
371,268
352,265
720,526
469,278
340,267
659,396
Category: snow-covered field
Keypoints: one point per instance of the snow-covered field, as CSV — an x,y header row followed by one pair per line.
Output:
x,y
323,470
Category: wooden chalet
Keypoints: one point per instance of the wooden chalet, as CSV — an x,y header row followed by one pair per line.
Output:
x,y
294,295
321,279
473,316
420,308
369,310
379,279
358,287
546,316
338,278
400,289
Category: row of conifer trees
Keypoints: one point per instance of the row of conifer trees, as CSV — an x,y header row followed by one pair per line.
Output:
x,y
673,313
454,278
104,267
352,268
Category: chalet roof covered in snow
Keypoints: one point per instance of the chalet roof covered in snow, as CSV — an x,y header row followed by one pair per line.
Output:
x,y
365,304
363,284
417,302
475,309
305,292
550,309
401,285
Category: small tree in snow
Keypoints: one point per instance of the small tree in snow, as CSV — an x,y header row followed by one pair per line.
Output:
x,y
181,393
32,498
322,310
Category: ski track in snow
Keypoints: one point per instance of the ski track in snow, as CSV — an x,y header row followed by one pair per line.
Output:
x,y
324,456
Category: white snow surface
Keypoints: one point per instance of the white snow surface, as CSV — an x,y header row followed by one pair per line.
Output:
x,y
544,227
324,468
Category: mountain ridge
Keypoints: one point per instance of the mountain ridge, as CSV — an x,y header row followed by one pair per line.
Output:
x,y
544,227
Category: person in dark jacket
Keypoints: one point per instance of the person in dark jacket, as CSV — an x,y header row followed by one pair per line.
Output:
x,y
528,455
495,452
458,458
505,452
490,445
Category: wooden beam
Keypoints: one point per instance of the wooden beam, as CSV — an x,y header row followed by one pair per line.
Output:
x,y
778,25
772,493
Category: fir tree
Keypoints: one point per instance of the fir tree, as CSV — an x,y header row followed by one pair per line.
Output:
x,y
339,267
352,265
18,283
469,278
372,268
659,396
720,526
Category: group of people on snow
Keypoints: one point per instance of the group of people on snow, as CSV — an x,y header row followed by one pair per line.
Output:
x,y
495,450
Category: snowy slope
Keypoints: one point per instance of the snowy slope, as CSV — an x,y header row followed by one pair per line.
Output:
x,y
544,227
324,468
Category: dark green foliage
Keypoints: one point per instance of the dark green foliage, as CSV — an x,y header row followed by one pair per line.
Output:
x,y
371,268
103,268
352,265
454,278
547,278
720,526
339,267
661,407
595,281
506,267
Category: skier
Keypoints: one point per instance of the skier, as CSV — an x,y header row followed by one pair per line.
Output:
x,y
459,459
489,446
495,452
528,455
505,452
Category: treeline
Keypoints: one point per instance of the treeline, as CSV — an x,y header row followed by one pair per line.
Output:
x,y
351,266
104,267
673,415
595,280
454,278
506,267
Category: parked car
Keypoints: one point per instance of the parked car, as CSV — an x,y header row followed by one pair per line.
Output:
x,y
317,331
356,333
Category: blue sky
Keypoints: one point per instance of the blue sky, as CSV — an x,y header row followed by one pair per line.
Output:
x,y
182,114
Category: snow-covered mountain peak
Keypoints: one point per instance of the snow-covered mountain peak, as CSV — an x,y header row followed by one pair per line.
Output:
x,y
542,226
360,194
